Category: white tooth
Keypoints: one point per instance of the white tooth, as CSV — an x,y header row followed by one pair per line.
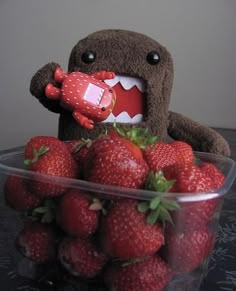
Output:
x,y
129,82
124,117
140,85
112,82
126,82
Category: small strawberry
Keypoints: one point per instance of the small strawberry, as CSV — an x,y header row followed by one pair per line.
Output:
x,y
81,257
190,179
52,161
126,234
79,149
77,215
184,152
115,161
149,274
159,155
36,242
214,173
17,194
195,215
186,251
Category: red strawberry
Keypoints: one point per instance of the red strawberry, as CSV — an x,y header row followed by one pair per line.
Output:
x,y
53,161
17,194
76,215
36,242
81,257
115,161
184,152
190,179
126,234
150,274
159,155
36,142
79,149
185,251
214,173
194,215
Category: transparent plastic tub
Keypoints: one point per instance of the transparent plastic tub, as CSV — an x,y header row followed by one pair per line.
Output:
x,y
20,273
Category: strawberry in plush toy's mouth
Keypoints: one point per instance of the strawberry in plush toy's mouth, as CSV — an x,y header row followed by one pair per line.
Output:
x,y
129,105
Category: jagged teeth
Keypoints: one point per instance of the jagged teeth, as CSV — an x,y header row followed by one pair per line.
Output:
x,y
124,117
126,82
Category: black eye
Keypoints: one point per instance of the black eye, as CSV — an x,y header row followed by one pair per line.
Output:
x,y
103,109
153,58
88,57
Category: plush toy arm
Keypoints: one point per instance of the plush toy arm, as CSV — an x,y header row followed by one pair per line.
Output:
x,y
38,83
202,138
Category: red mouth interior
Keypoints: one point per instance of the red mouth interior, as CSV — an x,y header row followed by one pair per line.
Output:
x,y
130,101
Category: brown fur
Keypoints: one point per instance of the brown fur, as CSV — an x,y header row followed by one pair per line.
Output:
x,y
124,52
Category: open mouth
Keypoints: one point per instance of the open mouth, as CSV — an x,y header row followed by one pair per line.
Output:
x,y
129,105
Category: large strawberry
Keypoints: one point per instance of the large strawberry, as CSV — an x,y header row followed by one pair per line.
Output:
x,y
126,234
52,161
115,161
77,214
191,179
81,257
17,194
37,242
185,251
149,274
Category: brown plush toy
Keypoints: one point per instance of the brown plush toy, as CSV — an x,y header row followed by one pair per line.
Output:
x,y
143,84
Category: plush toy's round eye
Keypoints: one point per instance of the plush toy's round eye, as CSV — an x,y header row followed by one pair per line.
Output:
x,y
153,58
88,57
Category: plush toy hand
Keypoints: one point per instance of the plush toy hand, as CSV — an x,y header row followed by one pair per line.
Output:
x,y
40,80
201,138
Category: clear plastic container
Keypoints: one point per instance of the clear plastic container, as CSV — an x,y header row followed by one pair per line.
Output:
x,y
19,273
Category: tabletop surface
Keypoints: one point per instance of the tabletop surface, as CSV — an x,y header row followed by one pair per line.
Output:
x,y
221,274
222,267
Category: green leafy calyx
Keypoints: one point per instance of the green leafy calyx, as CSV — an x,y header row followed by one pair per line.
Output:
x,y
138,135
158,208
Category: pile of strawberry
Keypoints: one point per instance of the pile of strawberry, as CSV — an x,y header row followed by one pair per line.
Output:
x,y
132,243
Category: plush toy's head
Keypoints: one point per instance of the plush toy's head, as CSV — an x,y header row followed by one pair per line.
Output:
x,y
144,71
143,83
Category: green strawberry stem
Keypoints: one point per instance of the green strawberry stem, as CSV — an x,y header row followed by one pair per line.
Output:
x,y
138,135
134,261
159,207
80,144
44,213
157,182
37,154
